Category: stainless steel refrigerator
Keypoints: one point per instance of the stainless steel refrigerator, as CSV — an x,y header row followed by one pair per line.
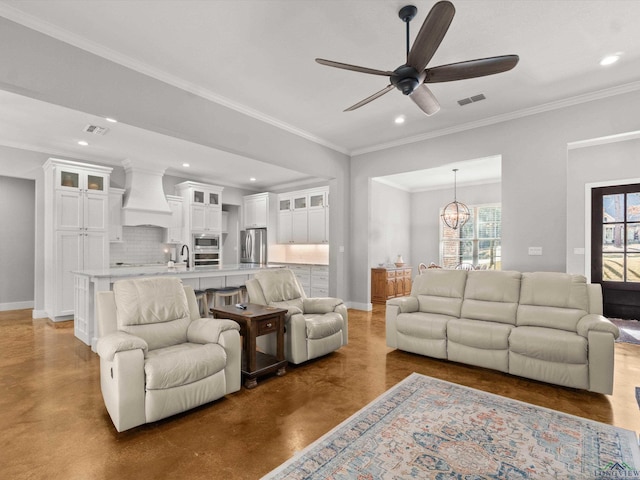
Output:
x,y
253,245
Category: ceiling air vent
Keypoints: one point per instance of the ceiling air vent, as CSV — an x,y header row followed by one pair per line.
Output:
x,y
96,130
467,101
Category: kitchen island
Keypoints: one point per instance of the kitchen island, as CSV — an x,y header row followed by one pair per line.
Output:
x,y
88,283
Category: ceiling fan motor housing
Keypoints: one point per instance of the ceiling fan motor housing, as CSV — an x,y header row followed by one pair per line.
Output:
x,y
406,79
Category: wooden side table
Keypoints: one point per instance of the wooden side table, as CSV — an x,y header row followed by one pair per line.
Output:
x,y
257,320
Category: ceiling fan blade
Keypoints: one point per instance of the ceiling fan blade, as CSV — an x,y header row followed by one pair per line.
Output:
x,y
430,35
471,69
423,97
386,89
354,68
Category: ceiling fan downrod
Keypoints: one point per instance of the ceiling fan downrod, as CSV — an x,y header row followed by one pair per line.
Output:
x,y
406,14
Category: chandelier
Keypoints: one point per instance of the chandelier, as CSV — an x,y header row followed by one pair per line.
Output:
x,y
455,214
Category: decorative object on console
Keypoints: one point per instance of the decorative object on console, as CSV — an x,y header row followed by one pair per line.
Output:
x,y
455,214
427,428
399,261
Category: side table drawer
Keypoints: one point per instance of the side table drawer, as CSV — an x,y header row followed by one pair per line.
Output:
x,y
267,326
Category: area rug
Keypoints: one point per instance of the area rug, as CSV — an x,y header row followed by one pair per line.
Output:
x,y
629,330
431,429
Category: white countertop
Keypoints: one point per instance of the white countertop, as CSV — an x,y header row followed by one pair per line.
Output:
x,y
142,270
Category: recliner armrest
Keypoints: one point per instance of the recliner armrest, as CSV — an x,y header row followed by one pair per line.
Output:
x,y
598,323
208,330
113,343
320,305
407,304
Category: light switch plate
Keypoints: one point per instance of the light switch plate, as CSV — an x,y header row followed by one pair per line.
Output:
x,y
535,250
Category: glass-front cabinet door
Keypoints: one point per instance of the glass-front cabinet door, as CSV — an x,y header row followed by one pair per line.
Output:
x,y
72,179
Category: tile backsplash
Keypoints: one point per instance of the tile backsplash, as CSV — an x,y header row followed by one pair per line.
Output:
x,y
141,245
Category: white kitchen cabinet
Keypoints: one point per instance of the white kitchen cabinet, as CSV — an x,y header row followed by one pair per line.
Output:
x,y
303,217
319,281
115,214
175,232
225,222
76,233
202,207
318,216
255,210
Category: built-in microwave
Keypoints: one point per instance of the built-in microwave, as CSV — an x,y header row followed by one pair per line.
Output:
x,y
206,241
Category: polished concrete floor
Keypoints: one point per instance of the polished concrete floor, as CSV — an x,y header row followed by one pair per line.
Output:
x,y
53,423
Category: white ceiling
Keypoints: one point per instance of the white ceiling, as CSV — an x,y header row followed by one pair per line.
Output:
x,y
258,56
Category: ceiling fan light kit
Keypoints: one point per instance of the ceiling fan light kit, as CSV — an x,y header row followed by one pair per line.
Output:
x,y
412,77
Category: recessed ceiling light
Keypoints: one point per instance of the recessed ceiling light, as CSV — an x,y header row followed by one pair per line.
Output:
x,y
186,165
399,119
610,59
112,120
83,143
252,179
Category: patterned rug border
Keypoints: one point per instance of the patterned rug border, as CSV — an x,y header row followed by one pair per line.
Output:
x,y
276,473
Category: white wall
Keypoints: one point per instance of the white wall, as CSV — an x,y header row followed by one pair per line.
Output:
x,y
615,163
17,240
390,225
425,216
534,178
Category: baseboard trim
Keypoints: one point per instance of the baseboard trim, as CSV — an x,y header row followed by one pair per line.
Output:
x,y
16,306
367,307
39,314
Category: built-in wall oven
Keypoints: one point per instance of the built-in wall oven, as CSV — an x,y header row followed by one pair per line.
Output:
x,y
206,250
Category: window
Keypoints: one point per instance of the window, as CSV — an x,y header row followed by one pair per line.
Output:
x,y
478,241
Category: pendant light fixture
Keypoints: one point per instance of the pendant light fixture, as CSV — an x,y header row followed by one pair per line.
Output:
x,y
455,214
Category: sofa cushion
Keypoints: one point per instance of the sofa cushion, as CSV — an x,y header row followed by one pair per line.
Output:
x,y
552,299
154,309
182,364
423,325
491,295
479,334
554,289
322,325
549,344
440,291
278,285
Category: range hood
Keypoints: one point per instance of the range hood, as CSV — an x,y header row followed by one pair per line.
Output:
x,y
144,199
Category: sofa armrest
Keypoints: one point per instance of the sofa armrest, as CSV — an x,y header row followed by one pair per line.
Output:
x,y
113,343
407,304
594,322
320,305
208,330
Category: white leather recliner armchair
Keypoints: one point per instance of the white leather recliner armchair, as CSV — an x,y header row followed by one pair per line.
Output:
x,y
313,326
157,356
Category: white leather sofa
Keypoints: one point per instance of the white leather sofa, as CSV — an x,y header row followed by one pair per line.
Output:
x,y
545,326
313,326
157,356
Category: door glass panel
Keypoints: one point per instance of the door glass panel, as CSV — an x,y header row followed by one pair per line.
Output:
x,y
300,202
613,238
95,182
613,208
633,240
198,197
633,207
213,199
633,267
69,179
613,267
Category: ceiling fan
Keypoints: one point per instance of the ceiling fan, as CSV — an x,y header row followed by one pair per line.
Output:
x,y
412,77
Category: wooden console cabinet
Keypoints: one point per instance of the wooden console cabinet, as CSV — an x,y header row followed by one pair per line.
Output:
x,y
389,283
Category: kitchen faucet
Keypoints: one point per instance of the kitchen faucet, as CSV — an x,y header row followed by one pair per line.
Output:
x,y
188,256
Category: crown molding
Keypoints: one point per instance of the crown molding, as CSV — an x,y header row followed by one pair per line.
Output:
x,y
65,36
568,102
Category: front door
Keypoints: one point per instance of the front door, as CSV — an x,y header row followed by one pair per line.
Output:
x,y
615,248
